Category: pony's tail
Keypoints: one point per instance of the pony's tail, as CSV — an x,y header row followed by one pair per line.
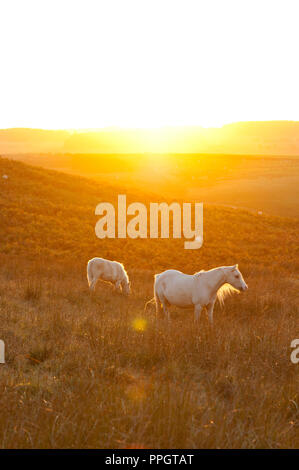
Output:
x,y
149,302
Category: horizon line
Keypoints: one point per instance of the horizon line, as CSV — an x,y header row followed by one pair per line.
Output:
x,y
135,128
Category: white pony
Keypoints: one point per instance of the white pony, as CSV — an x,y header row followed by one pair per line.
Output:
x,y
198,290
111,271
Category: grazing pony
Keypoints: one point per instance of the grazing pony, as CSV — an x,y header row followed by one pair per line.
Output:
x,y
111,271
198,290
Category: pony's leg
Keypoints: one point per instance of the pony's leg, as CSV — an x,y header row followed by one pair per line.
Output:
x,y
166,309
92,285
117,286
197,312
210,310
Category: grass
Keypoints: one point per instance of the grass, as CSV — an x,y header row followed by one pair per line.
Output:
x,y
93,371
32,290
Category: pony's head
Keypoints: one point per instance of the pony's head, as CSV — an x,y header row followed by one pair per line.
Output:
x,y
235,278
126,287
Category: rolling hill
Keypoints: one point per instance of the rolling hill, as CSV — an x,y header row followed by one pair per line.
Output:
x,y
94,370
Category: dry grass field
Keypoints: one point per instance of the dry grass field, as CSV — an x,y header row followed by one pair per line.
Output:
x,y
94,371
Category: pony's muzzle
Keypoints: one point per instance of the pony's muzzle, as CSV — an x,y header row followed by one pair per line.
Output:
x,y
244,288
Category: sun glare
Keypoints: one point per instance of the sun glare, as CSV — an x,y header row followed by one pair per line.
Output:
x,y
140,64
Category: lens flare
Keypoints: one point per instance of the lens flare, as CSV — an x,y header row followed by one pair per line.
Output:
x,y
139,324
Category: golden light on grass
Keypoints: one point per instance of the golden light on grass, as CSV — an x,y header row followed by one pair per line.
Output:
x,y
136,392
139,324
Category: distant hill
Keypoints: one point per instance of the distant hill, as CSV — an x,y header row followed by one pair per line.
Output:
x,y
266,137
21,140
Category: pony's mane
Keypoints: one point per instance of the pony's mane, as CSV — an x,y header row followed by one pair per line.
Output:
x,y
124,271
200,272
225,291
126,276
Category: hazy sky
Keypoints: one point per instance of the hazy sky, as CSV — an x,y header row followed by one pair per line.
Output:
x,y
139,63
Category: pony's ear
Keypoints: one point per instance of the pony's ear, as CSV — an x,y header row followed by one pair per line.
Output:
x,y
234,267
